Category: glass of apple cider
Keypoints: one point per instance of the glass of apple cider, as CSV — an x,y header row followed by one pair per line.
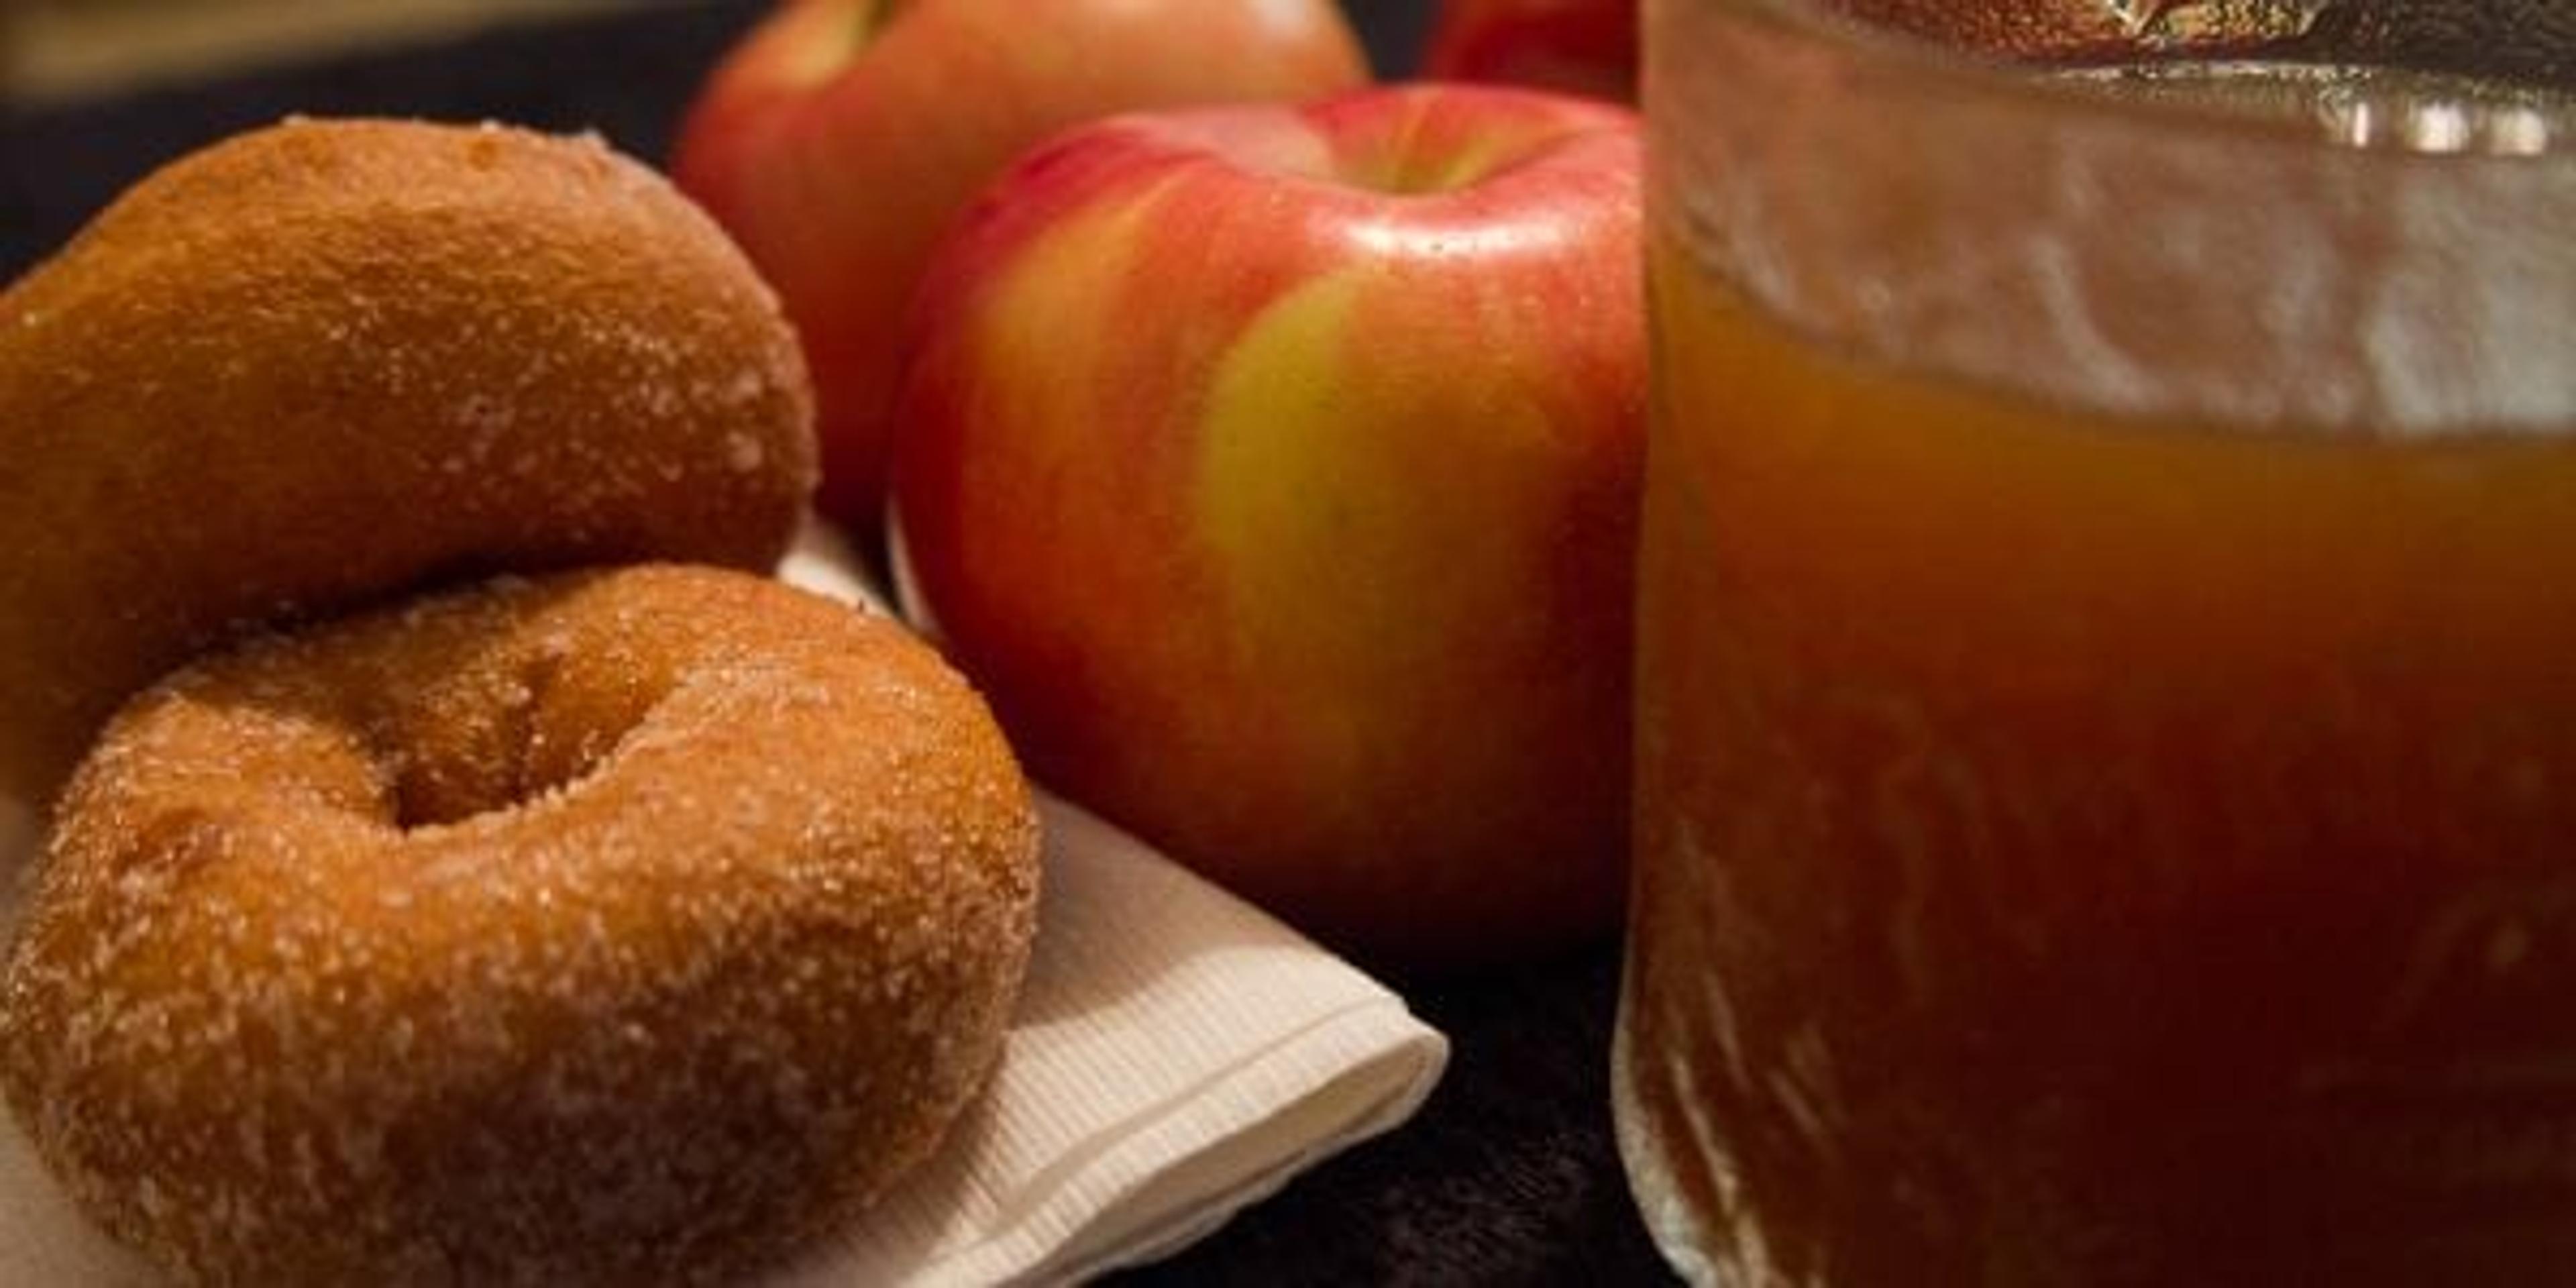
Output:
x,y
2107,664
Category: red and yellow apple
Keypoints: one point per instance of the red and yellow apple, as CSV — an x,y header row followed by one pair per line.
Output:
x,y
1581,46
839,138
1273,471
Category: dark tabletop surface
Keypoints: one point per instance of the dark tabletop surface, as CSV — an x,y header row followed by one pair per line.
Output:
x,y
1508,1176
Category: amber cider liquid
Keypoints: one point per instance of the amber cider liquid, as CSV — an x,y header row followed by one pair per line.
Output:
x,y
2077,849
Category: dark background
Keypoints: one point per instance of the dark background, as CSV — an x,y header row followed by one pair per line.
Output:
x,y
627,77
1507,1177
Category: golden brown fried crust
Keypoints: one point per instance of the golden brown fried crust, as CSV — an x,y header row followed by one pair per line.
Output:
x,y
327,362
619,927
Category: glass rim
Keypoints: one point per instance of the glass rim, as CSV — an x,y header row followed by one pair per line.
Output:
x,y
1997,78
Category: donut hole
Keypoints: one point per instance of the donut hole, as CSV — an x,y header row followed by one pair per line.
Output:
x,y
512,726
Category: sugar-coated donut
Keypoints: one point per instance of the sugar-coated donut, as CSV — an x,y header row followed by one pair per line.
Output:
x,y
318,364
613,927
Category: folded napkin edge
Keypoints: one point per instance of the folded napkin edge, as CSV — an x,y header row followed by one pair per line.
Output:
x,y
1143,1193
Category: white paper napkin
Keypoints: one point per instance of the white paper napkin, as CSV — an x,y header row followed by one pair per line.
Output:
x,y
1177,1055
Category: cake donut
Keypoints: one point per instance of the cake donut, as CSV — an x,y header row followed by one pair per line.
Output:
x,y
319,364
614,927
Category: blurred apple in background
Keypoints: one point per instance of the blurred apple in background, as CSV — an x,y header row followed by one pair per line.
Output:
x,y
1582,46
841,136
1273,471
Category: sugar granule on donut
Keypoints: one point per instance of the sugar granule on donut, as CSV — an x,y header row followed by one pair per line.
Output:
x,y
315,366
635,926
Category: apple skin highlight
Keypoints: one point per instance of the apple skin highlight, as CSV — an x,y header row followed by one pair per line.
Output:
x,y
1274,473
839,138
